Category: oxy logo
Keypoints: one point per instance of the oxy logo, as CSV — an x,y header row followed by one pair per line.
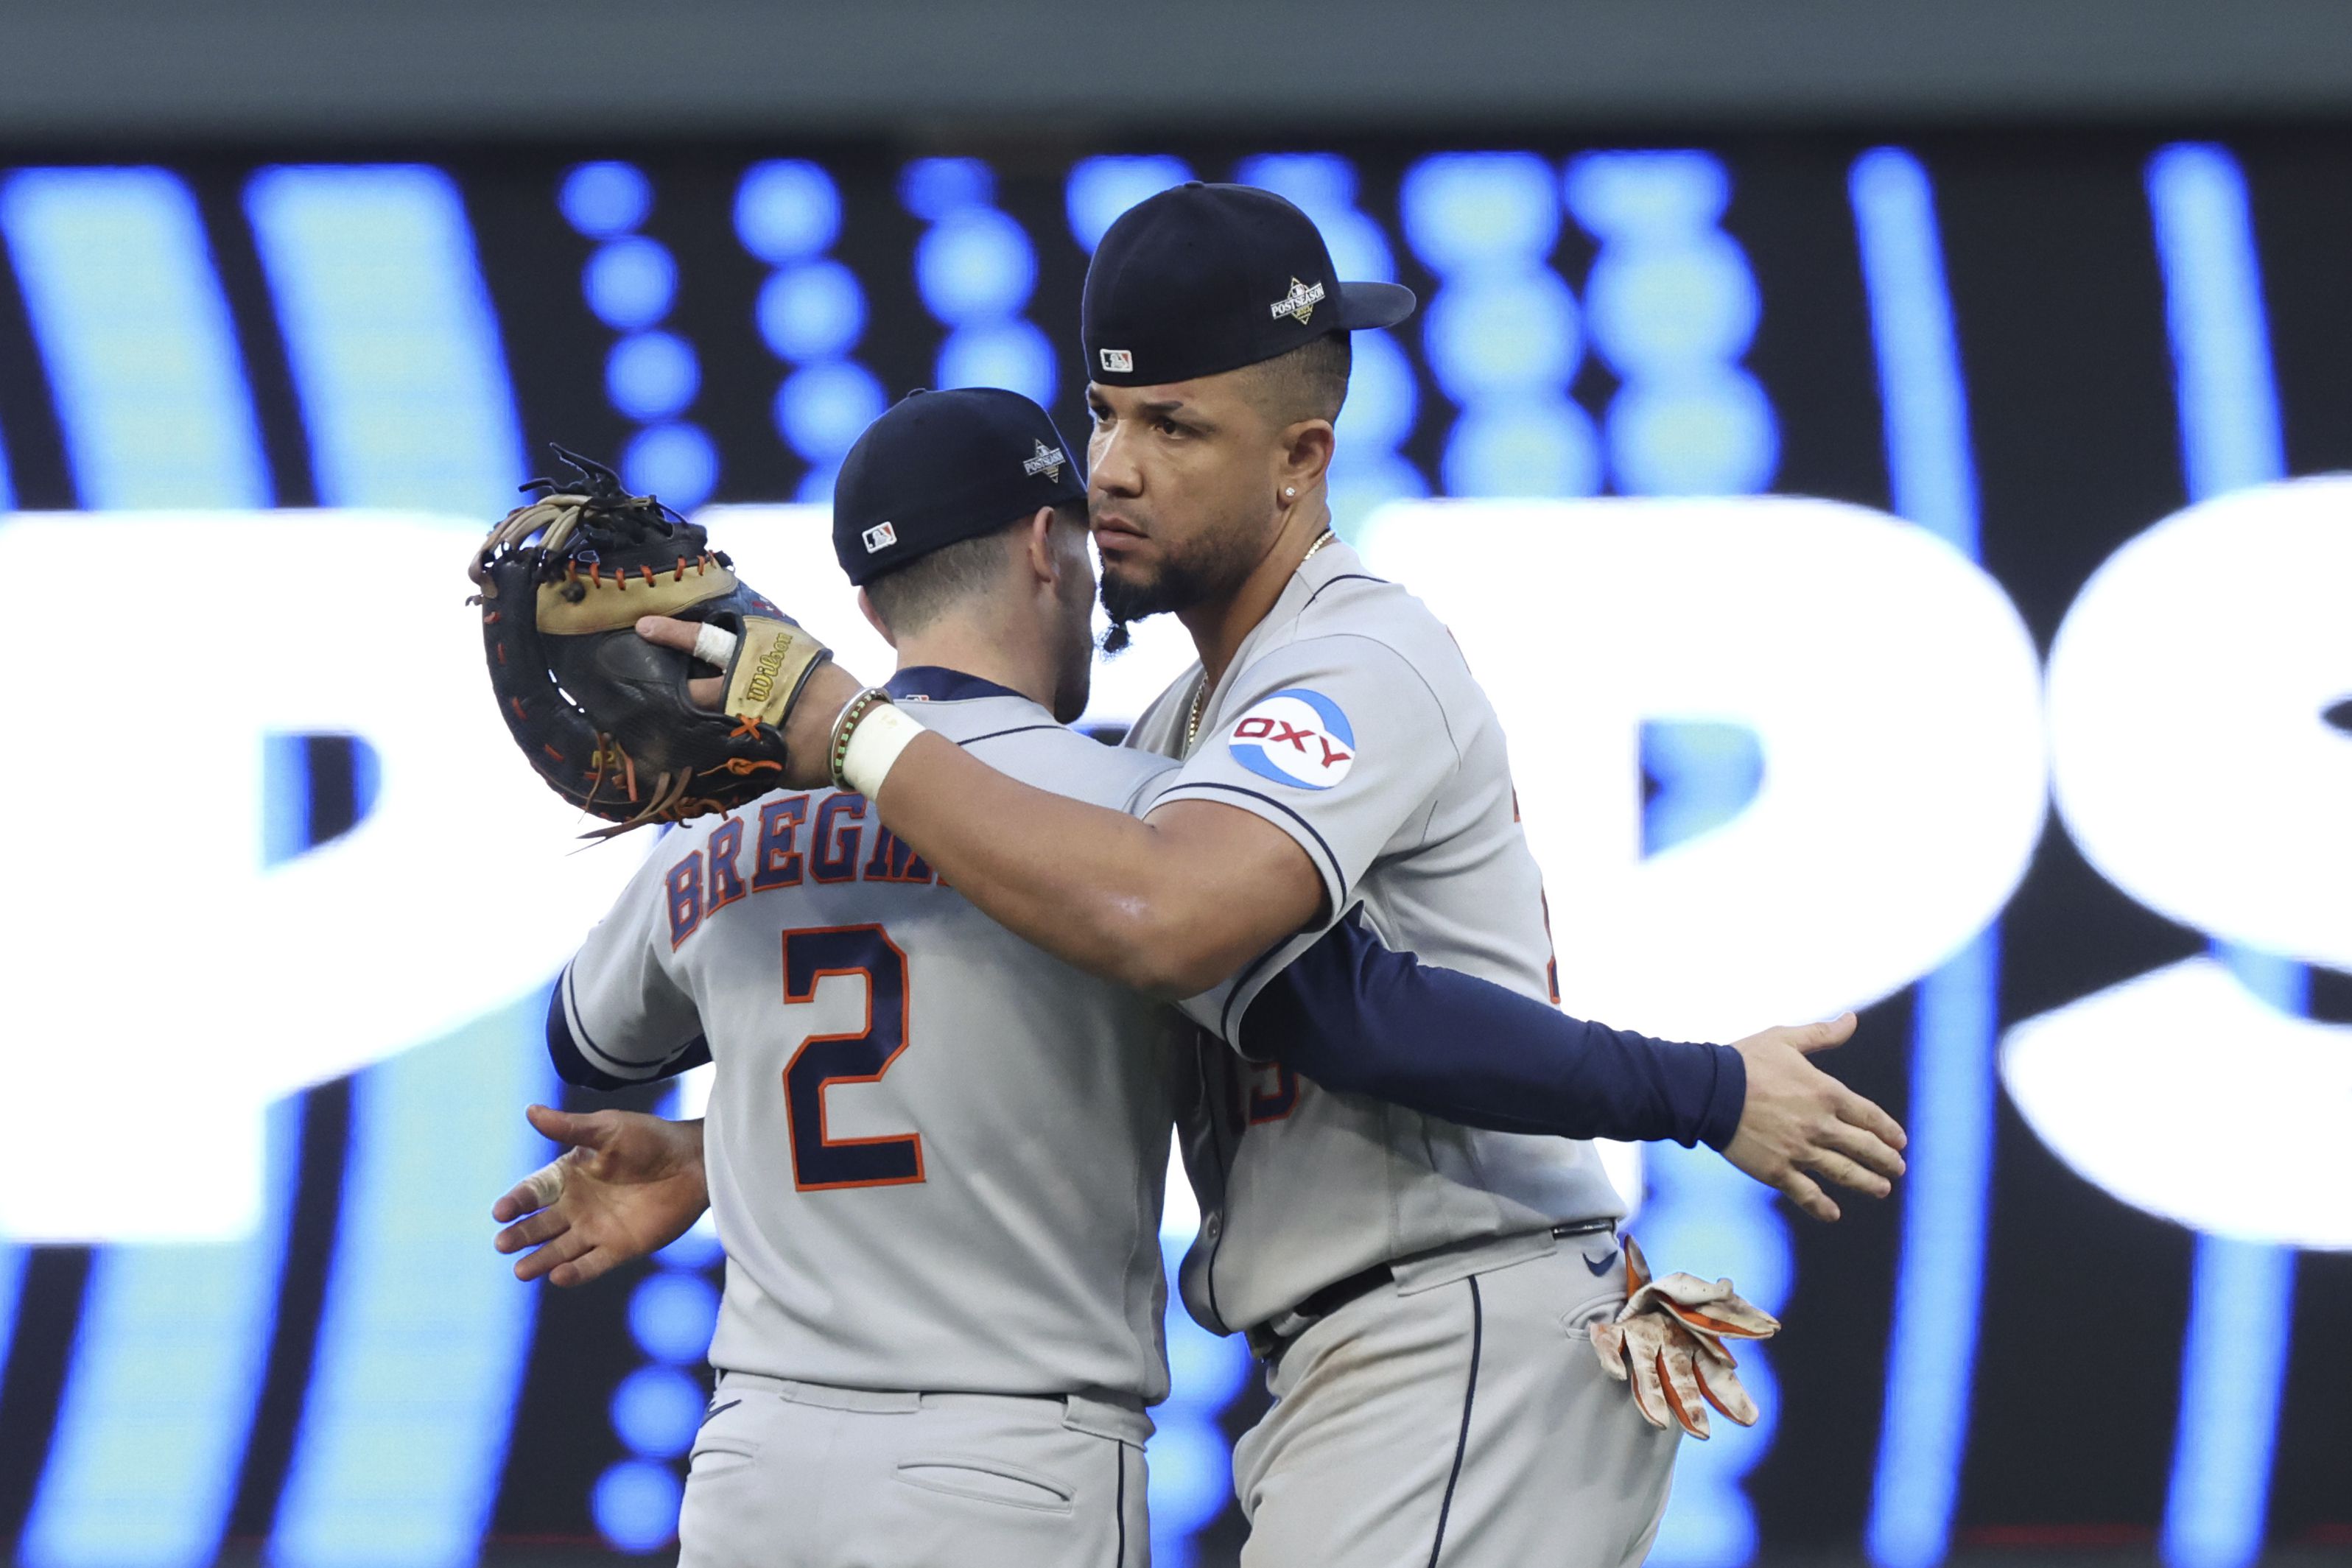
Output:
x,y
1295,737
1909,752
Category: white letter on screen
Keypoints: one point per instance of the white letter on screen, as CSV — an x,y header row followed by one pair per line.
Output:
x,y
1893,689
2193,767
167,986
2189,757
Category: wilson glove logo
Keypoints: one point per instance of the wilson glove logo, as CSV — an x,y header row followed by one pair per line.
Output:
x,y
1295,737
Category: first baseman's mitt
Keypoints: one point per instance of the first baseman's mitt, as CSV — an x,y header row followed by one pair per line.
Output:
x,y
1669,1337
605,715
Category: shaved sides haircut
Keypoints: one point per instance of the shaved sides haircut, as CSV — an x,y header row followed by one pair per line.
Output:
x,y
1311,381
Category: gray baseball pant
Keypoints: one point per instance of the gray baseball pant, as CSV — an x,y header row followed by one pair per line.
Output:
x,y
799,1475
1460,1423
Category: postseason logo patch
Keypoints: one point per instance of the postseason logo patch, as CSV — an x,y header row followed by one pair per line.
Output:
x,y
1294,737
1048,462
1300,303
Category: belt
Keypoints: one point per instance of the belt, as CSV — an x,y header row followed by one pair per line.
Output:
x,y
1269,1343
1099,1413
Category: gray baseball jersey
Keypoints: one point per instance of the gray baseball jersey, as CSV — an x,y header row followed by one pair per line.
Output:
x,y
1350,721
934,1152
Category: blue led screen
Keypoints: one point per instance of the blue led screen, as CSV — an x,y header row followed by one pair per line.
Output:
x,y
2033,354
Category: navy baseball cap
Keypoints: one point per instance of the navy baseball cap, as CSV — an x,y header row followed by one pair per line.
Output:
x,y
943,466
1202,279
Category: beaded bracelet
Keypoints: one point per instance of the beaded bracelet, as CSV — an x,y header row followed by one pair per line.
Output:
x,y
845,726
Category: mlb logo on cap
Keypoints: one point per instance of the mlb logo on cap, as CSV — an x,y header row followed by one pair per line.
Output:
x,y
1294,737
941,467
1119,362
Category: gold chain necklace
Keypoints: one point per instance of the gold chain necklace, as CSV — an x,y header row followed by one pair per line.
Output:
x,y
1201,687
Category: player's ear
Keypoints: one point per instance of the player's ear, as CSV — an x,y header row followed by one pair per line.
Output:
x,y
1304,456
1037,546
874,618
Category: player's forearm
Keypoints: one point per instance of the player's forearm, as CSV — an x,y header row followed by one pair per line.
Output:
x,y
1355,1016
1117,897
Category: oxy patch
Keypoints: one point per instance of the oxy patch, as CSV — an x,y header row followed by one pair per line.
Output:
x,y
1294,737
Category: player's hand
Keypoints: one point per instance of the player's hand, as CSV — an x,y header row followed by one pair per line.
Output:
x,y
1799,1122
626,1185
808,726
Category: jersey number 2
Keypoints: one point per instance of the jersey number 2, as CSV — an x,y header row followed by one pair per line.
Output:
x,y
821,1161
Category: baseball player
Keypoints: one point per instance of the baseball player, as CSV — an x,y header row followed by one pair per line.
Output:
x,y
934,1152
950,1310
1418,1285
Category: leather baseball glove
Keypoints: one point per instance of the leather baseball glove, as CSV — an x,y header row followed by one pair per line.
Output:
x,y
602,714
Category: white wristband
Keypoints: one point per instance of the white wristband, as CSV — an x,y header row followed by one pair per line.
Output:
x,y
875,744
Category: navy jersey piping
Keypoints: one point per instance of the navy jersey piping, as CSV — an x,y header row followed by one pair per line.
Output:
x,y
577,1029
1016,730
937,684
1212,1104
1338,874
572,1064
1469,1395
1343,577
1241,984
1120,1507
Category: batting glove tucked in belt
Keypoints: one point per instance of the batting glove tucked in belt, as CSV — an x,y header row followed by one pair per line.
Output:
x,y
1669,1335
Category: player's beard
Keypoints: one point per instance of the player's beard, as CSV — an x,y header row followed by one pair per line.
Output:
x,y
1217,563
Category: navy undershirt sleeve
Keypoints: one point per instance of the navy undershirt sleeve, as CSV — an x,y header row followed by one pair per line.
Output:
x,y
1357,1016
571,1063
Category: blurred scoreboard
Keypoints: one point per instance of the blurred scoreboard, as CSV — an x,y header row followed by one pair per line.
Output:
x,y
1908,570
